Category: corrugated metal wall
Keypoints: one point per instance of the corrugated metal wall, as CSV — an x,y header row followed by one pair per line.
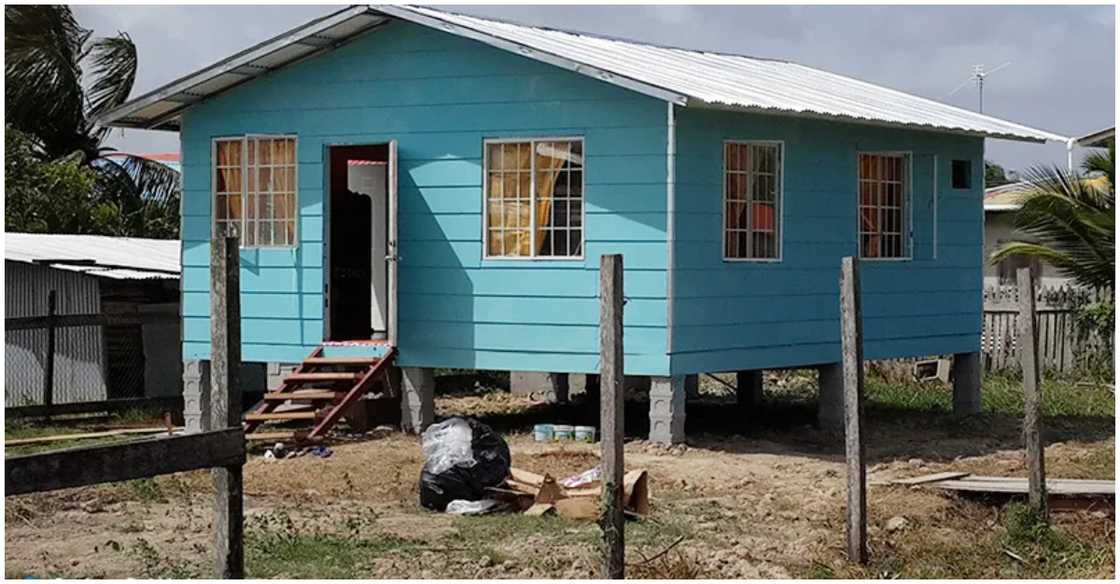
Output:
x,y
79,373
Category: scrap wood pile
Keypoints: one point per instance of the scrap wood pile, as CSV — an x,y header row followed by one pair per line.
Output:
x,y
467,471
573,498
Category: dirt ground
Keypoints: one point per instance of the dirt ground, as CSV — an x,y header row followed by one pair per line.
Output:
x,y
761,499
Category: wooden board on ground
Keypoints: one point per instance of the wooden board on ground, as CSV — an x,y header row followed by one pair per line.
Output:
x,y
544,494
84,436
961,481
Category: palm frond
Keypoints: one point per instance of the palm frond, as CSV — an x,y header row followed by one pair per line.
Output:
x,y
1070,223
114,72
1102,162
43,93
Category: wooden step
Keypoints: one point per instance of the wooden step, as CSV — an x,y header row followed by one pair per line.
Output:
x,y
301,394
364,361
299,435
297,415
334,376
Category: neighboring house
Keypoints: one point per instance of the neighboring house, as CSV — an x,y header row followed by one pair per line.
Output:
x,y
1000,204
502,160
92,274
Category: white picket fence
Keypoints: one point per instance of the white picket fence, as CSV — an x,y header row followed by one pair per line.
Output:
x,y
1059,340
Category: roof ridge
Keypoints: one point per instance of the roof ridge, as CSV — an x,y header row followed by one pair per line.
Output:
x,y
612,38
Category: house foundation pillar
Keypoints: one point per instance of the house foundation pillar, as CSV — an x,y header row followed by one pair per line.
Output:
x,y
748,389
553,387
418,399
276,372
967,376
830,400
196,395
666,409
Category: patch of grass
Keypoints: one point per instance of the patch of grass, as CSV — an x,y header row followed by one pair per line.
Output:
x,y
277,545
147,491
1048,551
155,564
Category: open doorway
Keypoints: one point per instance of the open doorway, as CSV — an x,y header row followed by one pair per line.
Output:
x,y
358,243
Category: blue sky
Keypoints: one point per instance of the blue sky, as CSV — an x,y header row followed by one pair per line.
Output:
x,y
1061,77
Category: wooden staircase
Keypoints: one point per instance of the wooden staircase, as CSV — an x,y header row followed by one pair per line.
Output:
x,y
318,393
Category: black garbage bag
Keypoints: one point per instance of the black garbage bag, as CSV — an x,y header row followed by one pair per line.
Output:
x,y
450,473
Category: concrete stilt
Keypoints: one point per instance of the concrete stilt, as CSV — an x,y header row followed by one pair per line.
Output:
x,y
748,385
196,395
552,387
418,399
830,400
666,409
966,373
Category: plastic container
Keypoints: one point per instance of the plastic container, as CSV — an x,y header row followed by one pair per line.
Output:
x,y
542,432
561,432
585,434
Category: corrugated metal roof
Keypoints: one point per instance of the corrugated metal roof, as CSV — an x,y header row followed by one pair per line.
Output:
x,y
122,258
1010,197
1098,139
686,77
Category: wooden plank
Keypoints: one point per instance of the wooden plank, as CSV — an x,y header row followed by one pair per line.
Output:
x,y
851,340
227,523
611,417
930,478
85,436
1032,392
332,376
1021,486
91,465
300,415
106,406
300,394
17,323
364,361
265,406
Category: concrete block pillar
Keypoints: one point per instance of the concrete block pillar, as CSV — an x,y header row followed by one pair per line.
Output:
x,y
830,400
748,389
967,374
276,372
196,395
553,387
418,399
666,409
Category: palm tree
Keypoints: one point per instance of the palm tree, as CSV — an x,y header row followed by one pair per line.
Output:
x,y
45,49
1071,220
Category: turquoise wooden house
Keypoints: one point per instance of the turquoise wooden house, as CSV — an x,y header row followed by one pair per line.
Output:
x,y
438,188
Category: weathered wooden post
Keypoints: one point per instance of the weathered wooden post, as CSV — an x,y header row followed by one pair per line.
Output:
x,y
851,339
48,366
1032,393
225,402
611,519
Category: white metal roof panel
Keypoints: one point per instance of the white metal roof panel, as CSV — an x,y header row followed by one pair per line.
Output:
x,y
683,76
122,258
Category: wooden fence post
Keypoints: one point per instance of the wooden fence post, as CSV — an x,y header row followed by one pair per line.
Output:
x,y
611,519
48,367
1032,392
851,325
225,402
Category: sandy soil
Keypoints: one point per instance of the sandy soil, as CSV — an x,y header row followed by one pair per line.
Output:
x,y
765,505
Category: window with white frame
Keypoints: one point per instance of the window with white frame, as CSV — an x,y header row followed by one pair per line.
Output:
x,y
255,190
884,190
534,198
752,200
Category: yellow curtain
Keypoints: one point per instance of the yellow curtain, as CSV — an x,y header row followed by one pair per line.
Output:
x,y
229,175
517,236
551,156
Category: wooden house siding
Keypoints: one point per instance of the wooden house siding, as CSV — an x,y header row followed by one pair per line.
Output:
x,y
440,96
747,315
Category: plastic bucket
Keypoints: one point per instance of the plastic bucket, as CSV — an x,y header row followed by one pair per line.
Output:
x,y
542,432
562,432
585,434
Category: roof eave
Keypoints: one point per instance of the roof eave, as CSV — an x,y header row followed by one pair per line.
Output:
x,y
122,116
1040,138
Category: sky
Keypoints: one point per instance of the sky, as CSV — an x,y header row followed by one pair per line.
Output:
x,y
1061,75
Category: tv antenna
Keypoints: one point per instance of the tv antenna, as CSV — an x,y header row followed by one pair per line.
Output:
x,y
978,76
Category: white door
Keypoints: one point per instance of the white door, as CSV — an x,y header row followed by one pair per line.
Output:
x,y
392,257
